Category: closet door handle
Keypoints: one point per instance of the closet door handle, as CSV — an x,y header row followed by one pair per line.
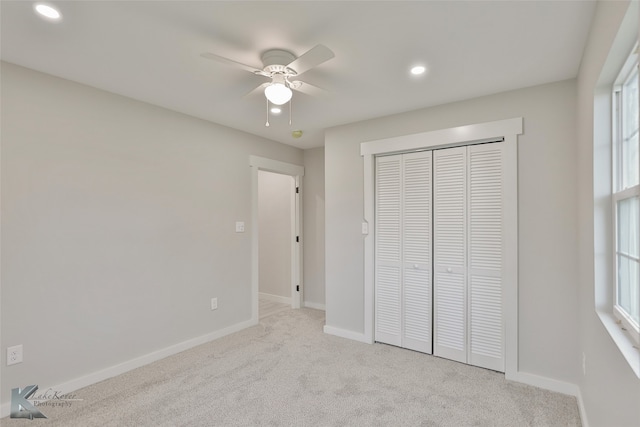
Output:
x,y
449,270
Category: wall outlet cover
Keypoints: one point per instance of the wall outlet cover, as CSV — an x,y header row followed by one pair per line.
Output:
x,y
14,355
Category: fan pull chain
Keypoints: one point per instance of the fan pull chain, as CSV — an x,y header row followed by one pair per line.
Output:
x,y
290,102
267,124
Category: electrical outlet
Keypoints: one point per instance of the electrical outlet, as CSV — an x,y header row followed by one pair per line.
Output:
x,y
14,354
214,303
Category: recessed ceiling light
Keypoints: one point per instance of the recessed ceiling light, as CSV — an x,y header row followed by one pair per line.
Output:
x,y
418,70
47,11
276,110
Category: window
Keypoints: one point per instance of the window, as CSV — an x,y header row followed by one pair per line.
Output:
x,y
626,197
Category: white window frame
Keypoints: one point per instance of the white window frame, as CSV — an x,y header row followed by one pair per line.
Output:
x,y
618,193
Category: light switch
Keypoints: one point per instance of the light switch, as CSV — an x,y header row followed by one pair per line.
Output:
x,y
239,227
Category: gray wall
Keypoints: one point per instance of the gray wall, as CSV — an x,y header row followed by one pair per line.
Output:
x,y
313,205
275,192
118,226
547,184
610,390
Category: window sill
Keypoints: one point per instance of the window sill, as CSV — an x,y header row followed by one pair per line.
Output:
x,y
623,340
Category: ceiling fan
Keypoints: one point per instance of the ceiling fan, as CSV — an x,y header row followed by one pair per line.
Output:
x,y
282,67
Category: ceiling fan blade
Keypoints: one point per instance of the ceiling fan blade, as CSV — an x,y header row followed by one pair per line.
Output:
x,y
259,89
311,58
308,88
228,61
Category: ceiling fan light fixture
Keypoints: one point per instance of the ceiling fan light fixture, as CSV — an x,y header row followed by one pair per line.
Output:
x,y
278,93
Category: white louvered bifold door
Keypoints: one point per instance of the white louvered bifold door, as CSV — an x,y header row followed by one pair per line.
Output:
x,y
416,245
486,256
403,305
440,253
388,268
450,253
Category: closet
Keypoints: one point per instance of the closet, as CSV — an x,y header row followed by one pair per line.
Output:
x,y
440,253
403,273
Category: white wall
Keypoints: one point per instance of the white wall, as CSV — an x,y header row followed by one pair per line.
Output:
x,y
547,216
118,226
313,204
609,388
275,192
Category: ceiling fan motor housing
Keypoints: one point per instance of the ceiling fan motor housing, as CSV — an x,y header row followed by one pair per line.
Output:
x,y
275,61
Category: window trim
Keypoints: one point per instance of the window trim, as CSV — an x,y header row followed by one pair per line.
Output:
x,y
628,70
601,186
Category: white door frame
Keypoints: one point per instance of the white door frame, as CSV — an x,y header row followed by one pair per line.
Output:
x,y
508,129
297,172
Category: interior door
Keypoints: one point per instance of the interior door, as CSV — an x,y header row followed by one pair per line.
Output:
x,y
388,260
469,254
450,253
440,249
486,256
403,279
416,251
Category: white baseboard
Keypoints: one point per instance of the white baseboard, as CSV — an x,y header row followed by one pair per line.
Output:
x,y
545,382
315,305
275,298
95,377
343,333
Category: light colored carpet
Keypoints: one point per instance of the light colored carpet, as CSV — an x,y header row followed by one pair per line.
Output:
x,y
287,372
267,308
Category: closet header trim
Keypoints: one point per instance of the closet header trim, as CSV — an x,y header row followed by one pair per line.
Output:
x,y
461,135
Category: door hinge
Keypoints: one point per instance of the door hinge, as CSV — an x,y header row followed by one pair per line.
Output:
x,y
297,239
297,190
297,288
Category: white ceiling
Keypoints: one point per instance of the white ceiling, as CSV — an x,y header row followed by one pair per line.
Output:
x,y
150,51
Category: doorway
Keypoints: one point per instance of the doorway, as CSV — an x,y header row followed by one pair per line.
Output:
x,y
276,220
287,175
